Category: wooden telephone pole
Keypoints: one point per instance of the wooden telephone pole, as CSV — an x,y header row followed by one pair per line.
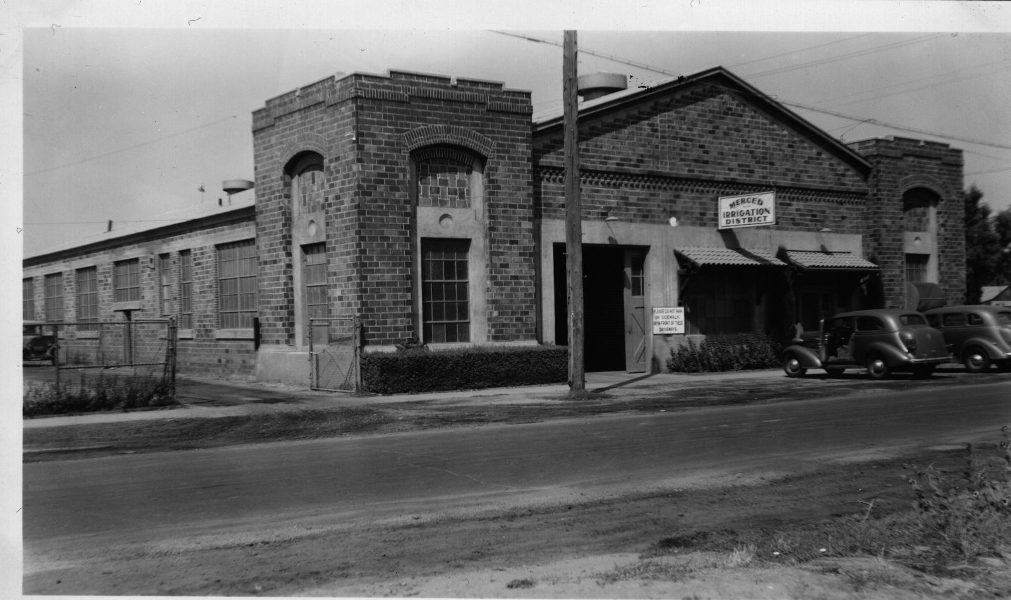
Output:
x,y
573,218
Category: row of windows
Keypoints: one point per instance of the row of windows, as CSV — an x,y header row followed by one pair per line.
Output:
x,y
236,289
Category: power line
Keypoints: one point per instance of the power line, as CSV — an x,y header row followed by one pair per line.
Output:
x,y
582,50
898,127
866,51
990,171
734,66
147,143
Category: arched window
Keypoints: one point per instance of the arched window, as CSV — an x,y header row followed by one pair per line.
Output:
x,y
307,183
308,244
448,189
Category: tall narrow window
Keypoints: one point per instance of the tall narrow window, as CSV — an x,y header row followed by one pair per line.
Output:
x,y
237,284
87,299
54,297
916,268
185,290
445,296
165,287
126,280
314,278
28,299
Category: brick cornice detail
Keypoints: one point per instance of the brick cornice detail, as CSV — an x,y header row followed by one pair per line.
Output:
x,y
433,135
683,184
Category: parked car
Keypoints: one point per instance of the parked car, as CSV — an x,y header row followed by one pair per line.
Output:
x,y
882,341
37,342
978,336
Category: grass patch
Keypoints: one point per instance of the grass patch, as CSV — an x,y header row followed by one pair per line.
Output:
x,y
955,514
97,394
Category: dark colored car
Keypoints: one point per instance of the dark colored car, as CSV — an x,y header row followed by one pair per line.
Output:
x,y
978,336
882,341
37,342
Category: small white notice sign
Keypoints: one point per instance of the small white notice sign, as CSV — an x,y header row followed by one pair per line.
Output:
x,y
668,320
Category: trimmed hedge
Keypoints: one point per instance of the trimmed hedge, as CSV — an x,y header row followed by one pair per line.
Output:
x,y
419,370
725,353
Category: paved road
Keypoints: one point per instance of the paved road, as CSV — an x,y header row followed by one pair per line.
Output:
x,y
144,497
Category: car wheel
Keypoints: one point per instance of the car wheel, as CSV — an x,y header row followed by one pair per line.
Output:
x,y
975,360
792,366
924,372
835,372
878,368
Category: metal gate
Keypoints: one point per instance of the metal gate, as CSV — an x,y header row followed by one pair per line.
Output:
x,y
334,354
119,348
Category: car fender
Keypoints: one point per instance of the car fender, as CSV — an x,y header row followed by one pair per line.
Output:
x,y
991,348
808,358
892,355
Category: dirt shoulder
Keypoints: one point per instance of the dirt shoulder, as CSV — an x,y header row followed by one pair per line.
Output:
x,y
835,533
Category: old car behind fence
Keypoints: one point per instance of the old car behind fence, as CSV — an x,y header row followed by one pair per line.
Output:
x,y
119,348
334,354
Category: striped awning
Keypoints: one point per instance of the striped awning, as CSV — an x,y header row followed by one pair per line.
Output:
x,y
729,257
818,260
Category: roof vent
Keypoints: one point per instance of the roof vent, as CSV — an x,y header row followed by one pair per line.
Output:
x,y
595,85
234,186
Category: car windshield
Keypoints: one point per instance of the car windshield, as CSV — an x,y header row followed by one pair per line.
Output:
x,y
1004,317
912,319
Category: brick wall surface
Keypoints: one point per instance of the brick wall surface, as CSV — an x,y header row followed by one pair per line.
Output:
x,y
365,126
901,165
676,154
201,354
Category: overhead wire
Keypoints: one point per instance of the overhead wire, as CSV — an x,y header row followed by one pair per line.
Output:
x,y
135,146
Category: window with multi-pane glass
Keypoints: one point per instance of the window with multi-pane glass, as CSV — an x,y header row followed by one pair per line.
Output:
x,y
28,299
164,285
185,290
916,268
54,297
87,299
126,280
314,278
445,295
237,284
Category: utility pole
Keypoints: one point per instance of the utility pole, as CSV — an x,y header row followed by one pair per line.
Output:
x,y
573,218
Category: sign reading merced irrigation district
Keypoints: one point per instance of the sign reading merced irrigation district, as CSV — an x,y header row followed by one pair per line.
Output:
x,y
668,320
750,210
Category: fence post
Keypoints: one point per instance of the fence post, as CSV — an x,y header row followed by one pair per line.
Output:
x,y
56,355
312,370
173,334
357,357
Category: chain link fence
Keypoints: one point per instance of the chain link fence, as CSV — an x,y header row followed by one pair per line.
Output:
x,y
117,348
334,354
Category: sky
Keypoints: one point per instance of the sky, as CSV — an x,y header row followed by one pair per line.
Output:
x,y
127,117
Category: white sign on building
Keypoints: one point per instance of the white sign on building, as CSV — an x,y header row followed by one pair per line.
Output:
x,y
668,320
750,210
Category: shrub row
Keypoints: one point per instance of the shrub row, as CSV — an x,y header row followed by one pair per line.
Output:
x,y
99,394
725,353
419,370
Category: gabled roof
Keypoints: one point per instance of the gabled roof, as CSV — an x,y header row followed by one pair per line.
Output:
x,y
549,120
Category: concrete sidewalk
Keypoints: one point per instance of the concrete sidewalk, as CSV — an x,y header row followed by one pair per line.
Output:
x,y
207,398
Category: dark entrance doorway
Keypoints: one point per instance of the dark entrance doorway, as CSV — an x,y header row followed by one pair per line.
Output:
x,y
613,307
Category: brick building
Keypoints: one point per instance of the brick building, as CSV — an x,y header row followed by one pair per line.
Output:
x,y
434,208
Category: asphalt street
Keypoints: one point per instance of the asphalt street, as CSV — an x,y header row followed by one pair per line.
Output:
x,y
411,475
